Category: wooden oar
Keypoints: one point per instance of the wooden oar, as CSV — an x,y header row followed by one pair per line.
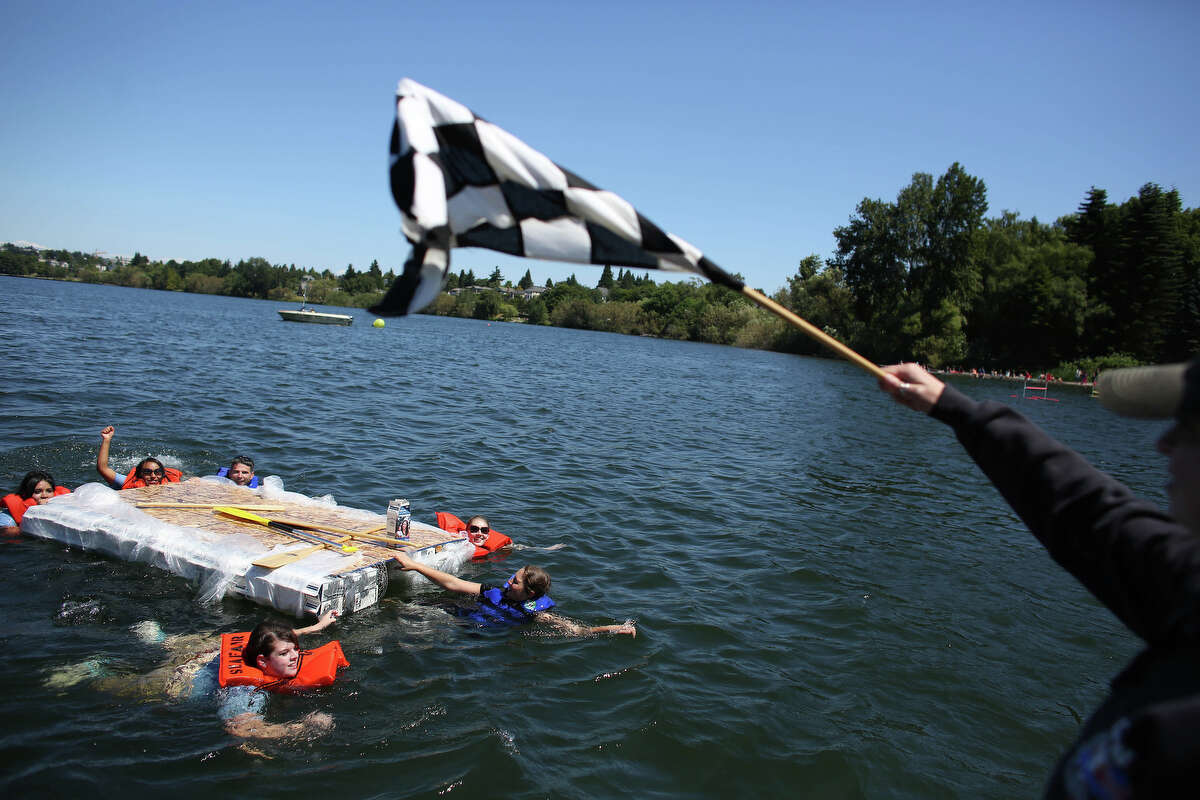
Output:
x,y
366,536
248,516
275,560
211,505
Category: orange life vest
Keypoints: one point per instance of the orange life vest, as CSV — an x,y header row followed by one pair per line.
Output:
x,y
495,539
317,667
17,506
132,481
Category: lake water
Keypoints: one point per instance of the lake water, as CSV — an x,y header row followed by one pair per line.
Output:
x,y
831,600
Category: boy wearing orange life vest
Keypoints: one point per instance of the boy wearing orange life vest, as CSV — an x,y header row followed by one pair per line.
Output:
x,y
36,488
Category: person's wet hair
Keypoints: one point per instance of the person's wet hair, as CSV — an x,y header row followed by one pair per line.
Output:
x,y
30,482
537,581
263,639
247,460
151,460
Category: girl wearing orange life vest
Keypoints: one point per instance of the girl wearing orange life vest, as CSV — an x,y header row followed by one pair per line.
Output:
x,y
235,674
36,488
269,657
148,472
486,539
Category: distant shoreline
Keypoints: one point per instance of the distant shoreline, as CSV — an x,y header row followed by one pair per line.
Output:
x,y
1012,378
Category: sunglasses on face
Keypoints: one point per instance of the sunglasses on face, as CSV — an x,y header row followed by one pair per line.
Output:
x,y
478,528
150,473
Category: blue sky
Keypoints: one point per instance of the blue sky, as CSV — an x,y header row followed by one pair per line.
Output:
x,y
752,129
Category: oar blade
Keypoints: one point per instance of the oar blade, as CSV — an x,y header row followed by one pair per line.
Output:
x,y
276,560
231,511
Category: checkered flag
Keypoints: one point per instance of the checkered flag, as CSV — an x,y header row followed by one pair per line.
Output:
x,y
461,181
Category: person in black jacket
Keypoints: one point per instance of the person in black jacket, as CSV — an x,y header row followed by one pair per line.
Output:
x,y
1141,562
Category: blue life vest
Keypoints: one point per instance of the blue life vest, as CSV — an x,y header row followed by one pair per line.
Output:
x,y
223,472
495,610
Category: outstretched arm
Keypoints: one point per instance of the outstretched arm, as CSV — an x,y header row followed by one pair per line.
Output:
x,y
253,726
574,628
444,579
321,624
102,467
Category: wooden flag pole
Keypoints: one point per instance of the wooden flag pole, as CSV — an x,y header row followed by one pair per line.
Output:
x,y
813,331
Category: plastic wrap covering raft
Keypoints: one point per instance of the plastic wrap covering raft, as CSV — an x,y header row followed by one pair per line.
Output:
x,y
216,551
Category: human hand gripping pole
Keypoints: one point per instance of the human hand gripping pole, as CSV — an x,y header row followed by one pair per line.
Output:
x,y
910,385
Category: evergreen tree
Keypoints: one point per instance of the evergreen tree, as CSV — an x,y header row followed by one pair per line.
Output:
x,y
1151,249
1097,226
375,274
606,279
526,280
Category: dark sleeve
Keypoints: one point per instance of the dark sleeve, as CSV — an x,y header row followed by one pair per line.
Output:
x,y
1132,556
1165,737
484,588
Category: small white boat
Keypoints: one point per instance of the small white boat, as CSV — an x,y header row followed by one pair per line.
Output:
x,y
319,317
306,314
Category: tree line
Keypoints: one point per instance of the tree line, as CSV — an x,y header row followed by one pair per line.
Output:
x,y
929,277
251,277
926,277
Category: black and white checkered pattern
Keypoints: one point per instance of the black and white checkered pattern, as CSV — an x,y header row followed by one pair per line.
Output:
x,y
461,181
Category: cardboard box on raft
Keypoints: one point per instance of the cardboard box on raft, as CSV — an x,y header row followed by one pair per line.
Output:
x,y
216,552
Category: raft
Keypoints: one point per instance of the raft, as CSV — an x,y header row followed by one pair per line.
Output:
x,y
216,551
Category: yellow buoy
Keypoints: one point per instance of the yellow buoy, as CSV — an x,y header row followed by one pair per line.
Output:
x,y
378,323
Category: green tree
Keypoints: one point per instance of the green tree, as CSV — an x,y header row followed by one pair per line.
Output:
x,y
1141,280
526,280
606,279
536,313
910,265
252,277
375,276
495,279
819,294
487,306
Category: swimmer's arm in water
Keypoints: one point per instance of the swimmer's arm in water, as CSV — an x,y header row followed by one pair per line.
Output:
x,y
447,581
576,629
324,622
102,467
252,726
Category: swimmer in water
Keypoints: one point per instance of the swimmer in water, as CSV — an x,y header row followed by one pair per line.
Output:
x,y
36,488
524,598
148,472
194,670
